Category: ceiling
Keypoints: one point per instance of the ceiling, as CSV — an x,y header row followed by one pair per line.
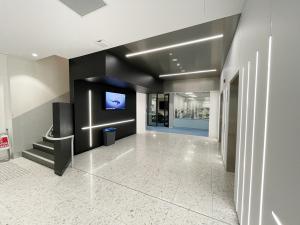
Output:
x,y
49,27
195,57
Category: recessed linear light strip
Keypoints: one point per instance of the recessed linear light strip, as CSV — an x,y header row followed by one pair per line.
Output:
x,y
253,139
240,139
265,131
245,144
277,220
175,45
188,73
90,118
108,124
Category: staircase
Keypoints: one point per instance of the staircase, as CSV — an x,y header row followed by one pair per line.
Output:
x,y
42,152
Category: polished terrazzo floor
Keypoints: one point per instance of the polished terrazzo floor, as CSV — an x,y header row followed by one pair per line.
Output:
x,y
151,178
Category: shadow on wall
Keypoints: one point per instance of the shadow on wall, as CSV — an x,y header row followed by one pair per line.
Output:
x,y
31,126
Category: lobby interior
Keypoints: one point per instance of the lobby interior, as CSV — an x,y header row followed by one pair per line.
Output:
x,y
149,112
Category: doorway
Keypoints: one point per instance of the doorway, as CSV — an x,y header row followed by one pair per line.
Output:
x,y
232,124
158,110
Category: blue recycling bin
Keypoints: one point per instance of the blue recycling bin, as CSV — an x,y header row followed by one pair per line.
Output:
x,y
109,136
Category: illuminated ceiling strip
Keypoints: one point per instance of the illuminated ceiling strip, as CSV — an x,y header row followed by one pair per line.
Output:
x,y
108,124
90,118
253,138
188,73
175,45
277,220
240,138
245,143
265,131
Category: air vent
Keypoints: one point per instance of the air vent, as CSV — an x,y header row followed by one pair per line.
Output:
x,y
84,7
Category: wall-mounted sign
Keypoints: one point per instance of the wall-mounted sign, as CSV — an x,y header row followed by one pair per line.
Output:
x,y
4,142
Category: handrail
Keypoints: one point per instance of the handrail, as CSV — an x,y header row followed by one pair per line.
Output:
x,y
62,138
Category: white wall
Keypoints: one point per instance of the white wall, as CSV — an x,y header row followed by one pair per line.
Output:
x,y
2,103
260,19
214,114
141,113
30,87
34,83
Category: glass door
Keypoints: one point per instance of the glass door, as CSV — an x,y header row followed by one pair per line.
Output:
x,y
152,108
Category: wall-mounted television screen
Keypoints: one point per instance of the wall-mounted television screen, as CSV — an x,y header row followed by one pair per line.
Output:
x,y
114,101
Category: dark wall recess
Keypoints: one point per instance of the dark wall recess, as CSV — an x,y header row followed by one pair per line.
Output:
x,y
99,114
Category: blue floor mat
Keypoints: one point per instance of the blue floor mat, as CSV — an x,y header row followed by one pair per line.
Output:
x,y
189,131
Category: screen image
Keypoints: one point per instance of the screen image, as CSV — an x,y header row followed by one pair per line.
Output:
x,y
114,100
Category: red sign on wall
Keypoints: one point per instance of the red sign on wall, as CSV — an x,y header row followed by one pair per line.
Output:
x,y
4,141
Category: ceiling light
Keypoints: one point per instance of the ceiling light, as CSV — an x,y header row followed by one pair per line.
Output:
x,y
170,54
176,45
174,60
34,55
182,71
178,64
188,73
189,93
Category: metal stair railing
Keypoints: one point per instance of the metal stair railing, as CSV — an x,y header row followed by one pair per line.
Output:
x,y
62,138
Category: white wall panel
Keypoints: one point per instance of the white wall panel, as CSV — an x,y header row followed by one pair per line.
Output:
x,y
251,36
282,180
214,114
259,20
141,107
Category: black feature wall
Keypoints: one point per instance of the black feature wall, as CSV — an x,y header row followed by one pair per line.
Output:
x,y
99,114
62,127
105,67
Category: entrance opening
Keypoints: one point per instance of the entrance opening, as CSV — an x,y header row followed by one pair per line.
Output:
x,y
158,110
180,112
232,124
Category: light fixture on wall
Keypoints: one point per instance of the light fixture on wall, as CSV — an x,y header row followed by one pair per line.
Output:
x,y
245,144
34,55
240,138
107,124
276,218
265,131
188,73
175,45
90,118
90,127
253,137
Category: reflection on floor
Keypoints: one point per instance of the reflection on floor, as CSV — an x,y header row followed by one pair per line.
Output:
x,y
152,178
189,131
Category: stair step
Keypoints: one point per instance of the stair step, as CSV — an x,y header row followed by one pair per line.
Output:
x,y
40,157
44,146
47,140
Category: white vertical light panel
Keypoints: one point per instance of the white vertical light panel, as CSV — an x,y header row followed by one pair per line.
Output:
x,y
90,119
253,137
240,139
277,220
265,132
245,143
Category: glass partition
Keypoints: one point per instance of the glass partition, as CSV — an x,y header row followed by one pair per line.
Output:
x,y
191,110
